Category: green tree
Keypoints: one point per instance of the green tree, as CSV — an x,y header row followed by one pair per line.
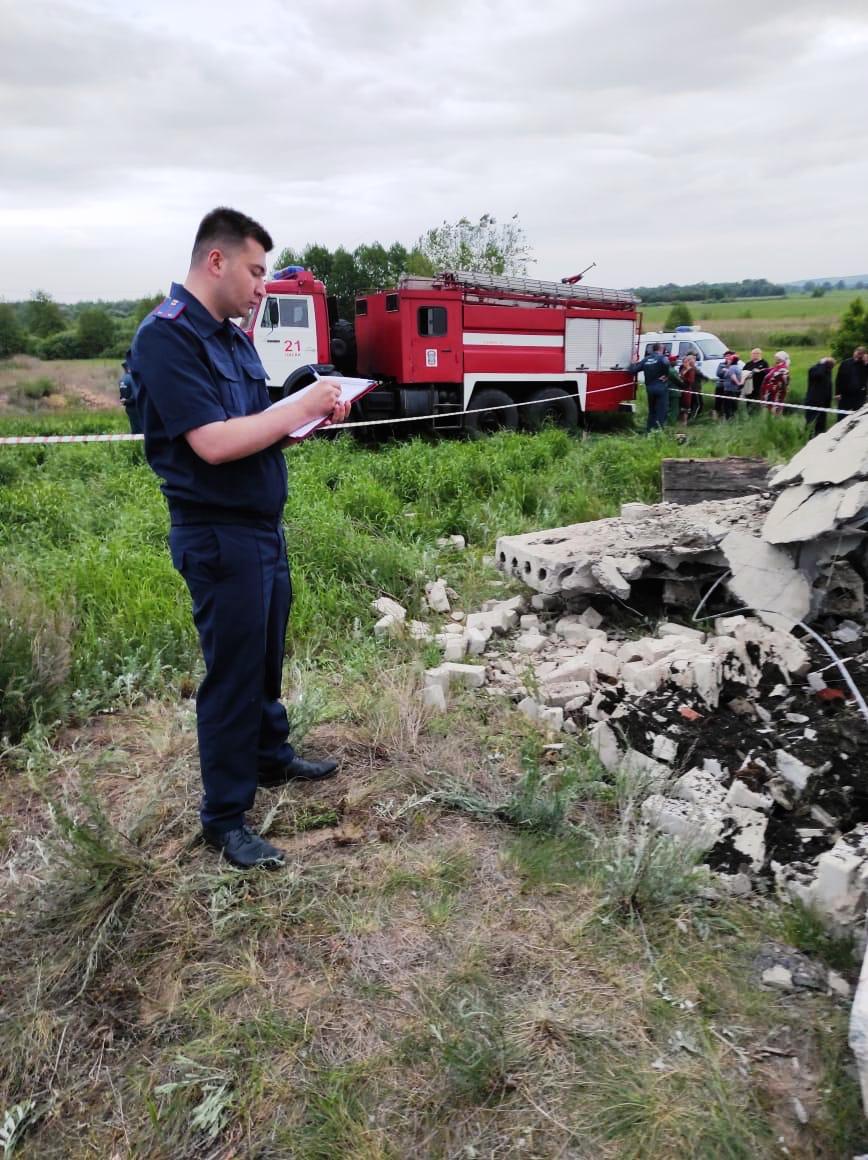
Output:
x,y
852,331
483,245
144,306
679,315
43,315
96,331
11,335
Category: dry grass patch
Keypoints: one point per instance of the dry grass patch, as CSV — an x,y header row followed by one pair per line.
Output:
x,y
441,970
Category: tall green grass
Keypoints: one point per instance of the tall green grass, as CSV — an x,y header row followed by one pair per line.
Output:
x,y
84,528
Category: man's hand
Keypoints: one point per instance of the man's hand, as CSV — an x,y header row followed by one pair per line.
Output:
x,y
322,399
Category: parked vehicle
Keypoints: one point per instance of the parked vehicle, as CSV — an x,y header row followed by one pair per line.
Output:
x,y
684,340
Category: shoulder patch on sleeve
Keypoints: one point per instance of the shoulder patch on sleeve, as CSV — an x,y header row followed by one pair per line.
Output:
x,y
170,308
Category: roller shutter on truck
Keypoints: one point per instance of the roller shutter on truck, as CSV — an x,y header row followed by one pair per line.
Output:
x,y
582,344
616,343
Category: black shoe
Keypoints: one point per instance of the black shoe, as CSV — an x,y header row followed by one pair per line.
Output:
x,y
296,770
243,848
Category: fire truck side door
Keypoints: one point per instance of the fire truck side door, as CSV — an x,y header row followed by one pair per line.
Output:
x,y
582,344
437,341
616,343
285,335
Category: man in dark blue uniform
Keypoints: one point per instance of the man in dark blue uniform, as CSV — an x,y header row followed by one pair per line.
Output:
x,y
656,368
200,391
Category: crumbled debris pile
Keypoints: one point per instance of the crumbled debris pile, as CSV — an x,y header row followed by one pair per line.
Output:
x,y
792,554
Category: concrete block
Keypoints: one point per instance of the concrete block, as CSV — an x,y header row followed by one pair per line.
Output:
x,y
529,620
576,669
574,631
456,646
386,606
664,748
707,679
792,770
529,708
643,677
388,626
458,542
688,823
470,676
749,838
739,795
604,742
701,788
435,595
591,617
530,643
551,718
569,693
606,664
419,630
435,698
438,676
633,513
477,639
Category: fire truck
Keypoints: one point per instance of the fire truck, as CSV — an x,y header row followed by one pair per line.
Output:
x,y
459,350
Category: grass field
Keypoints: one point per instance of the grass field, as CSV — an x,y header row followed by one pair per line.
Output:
x,y
748,322
467,956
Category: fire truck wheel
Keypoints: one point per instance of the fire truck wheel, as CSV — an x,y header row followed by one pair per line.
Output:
x,y
482,422
551,405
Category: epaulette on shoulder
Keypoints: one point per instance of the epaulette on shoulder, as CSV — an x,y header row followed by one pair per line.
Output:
x,y
170,308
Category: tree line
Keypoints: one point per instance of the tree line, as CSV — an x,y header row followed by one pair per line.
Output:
x,y
49,330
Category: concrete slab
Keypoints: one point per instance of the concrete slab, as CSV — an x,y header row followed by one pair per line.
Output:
x,y
765,578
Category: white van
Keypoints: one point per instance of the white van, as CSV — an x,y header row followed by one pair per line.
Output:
x,y
683,340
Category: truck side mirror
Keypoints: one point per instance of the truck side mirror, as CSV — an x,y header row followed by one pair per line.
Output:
x,y
273,313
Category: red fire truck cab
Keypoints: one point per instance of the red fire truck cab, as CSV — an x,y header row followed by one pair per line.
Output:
x,y
459,350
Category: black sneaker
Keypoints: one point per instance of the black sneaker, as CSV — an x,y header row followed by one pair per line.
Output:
x,y
243,848
296,770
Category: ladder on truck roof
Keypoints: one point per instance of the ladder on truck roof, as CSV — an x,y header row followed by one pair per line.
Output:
x,y
527,289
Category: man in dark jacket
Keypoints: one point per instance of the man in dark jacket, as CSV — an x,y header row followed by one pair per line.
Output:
x,y
819,394
656,368
851,382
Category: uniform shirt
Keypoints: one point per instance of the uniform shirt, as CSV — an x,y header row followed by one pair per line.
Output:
x,y
655,366
189,369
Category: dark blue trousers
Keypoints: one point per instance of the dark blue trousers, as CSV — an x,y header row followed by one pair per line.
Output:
x,y
239,582
658,405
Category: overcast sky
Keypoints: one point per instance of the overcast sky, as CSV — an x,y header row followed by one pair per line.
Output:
x,y
663,140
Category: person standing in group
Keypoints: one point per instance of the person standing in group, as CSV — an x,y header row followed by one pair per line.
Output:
x,y
200,391
719,380
756,366
776,383
690,403
732,381
819,395
655,366
851,382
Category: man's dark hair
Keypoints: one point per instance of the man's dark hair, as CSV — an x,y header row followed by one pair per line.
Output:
x,y
655,346
224,227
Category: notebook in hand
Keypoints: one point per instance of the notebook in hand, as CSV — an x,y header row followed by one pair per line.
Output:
x,y
351,390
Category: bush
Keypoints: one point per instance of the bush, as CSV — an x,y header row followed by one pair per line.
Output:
x,y
853,330
96,332
784,339
35,658
12,339
679,315
66,344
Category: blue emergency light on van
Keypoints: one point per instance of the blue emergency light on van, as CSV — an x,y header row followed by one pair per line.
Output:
x,y
681,329
287,272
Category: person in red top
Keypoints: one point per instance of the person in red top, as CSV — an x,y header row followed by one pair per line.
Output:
x,y
691,397
776,383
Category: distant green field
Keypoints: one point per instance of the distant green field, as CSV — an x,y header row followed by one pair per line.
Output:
x,y
767,322
797,308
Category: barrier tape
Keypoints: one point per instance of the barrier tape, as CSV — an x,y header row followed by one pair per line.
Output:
x,y
18,440
13,440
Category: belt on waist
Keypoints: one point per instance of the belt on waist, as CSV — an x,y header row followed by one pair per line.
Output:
x,y
183,515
